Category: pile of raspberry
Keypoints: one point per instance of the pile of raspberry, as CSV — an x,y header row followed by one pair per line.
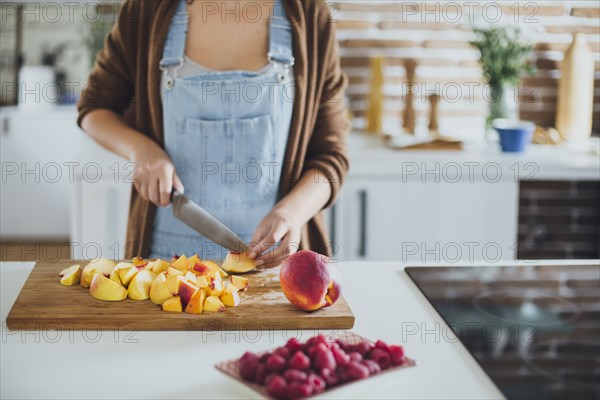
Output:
x,y
299,370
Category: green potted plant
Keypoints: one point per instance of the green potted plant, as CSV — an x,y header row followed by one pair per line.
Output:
x,y
504,58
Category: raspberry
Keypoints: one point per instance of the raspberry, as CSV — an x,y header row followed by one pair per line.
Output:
x,y
339,355
380,357
248,363
299,361
283,352
313,341
276,363
317,383
355,356
277,387
380,344
330,377
323,359
355,370
397,354
298,390
294,375
294,345
313,349
270,377
372,366
363,348
260,373
265,357
340,371
342,344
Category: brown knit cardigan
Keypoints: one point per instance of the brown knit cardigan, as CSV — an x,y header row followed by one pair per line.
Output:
x,y
126,79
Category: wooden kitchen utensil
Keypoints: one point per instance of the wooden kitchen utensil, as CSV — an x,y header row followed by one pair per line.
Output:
x,y
434,126
375,110
409,115
574,113
45,304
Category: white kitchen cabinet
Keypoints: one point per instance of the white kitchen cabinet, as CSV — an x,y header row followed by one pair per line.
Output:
x,y
392,219
100,219
36,151
100,205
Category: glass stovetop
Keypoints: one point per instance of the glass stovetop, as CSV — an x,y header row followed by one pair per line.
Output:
x,y
535,330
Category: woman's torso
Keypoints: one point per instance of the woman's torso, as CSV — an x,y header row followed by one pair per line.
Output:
x,y
226,132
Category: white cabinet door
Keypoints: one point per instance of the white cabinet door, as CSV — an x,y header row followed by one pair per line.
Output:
x,y
37,151
100,219
387,219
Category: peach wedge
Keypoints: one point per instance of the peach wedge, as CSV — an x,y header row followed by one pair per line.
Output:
x,y
105,289
70,276
213,304
238,263
159,292
96,266
173,305
139,287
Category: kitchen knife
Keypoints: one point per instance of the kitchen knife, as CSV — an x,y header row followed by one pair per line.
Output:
x,y
205,223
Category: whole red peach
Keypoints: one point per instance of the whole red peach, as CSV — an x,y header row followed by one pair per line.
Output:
x,y
309,280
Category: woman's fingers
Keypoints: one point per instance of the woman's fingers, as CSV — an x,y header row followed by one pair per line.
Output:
x,y
155,182
274,234
154,190
274,257
261,233
165,186
177,183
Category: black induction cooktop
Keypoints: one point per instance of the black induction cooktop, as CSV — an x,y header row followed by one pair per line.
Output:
x,y
535,330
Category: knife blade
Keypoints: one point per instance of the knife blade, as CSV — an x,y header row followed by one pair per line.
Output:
x,y
203,222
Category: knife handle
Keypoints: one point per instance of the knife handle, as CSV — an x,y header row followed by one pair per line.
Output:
x,y
174,195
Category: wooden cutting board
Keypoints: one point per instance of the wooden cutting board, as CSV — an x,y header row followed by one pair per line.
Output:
x,y
44,303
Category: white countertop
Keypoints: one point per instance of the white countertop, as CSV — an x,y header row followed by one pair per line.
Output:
x,y
370,158
118,365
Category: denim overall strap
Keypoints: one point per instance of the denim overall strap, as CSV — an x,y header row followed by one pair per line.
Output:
x,y
280,36
174,50
226,133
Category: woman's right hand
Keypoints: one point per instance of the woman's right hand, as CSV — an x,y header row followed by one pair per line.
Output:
x,y
155,174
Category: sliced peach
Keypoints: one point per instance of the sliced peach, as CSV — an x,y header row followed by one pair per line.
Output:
x,y
181,264
172,305
212,303
96,266
103,288
173,271
214,288
190,276
201,281
201,268
127,274
238,263
192,260
159,292
173,283
139,287
186,291
230,298
70,276
196,303
239,282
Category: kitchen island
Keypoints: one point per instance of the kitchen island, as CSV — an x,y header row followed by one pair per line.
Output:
x,y
106,364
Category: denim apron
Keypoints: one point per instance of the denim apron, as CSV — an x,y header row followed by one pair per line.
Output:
x,y
226,133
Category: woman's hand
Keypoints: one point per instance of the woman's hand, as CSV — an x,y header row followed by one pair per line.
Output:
x,y
155,175
277,226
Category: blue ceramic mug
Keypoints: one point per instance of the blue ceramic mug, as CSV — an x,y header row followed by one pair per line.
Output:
x,y
514,135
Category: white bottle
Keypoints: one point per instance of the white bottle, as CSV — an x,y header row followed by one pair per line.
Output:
x,y
575,109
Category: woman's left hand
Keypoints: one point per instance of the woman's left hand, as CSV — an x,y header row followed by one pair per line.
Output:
x,y
277,226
